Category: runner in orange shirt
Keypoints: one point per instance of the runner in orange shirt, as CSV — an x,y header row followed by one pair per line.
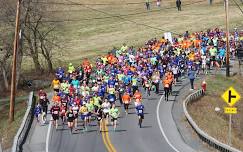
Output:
x,y
170,77
166,83
56,98
126,99
138,98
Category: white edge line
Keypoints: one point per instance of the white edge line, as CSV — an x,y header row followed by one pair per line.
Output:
x,y
48,136
161,128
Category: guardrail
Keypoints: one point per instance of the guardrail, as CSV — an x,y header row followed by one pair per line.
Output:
x,y
204,136
25,125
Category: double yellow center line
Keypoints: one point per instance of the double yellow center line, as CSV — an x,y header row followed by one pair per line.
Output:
x,y
106,139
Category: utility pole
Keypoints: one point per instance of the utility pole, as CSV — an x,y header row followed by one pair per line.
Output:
x,y
227,38
13,78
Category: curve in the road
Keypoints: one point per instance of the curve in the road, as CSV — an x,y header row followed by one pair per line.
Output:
x,y
160,126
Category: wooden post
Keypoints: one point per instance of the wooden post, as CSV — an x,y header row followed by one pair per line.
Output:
x,y
227,38
13,78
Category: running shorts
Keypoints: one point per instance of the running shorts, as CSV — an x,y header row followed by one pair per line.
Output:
x,y
113,119
141,115
70,119
56,90
83,116
213,58
55,117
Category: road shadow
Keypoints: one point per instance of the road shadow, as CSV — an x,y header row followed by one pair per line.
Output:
x,y
79,131
146,127
131,113
62,129
175,93
153,99
131,107
171,100
118,130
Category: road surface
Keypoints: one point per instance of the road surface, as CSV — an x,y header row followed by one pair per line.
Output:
x,y
159,132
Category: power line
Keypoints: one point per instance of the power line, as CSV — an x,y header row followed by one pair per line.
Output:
x,y
121,15
109,15
124,18
61,3
238,6
79,4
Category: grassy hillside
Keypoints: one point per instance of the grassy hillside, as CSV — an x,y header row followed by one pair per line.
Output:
x,y
87,30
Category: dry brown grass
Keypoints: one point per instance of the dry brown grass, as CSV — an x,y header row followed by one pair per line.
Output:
x,y
216,123
9,130
87,38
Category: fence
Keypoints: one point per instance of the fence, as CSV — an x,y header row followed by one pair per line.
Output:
x,y
25,125
204,136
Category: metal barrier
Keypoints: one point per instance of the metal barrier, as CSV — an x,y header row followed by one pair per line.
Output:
x,y
21,135
204,136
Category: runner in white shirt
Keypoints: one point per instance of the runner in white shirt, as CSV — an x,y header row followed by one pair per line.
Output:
x,y
204,63
106,109
175,72
75,109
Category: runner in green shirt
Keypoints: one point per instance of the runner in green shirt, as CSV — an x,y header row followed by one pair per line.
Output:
x,y
90,107
114,113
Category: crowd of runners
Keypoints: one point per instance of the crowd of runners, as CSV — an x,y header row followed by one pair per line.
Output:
x,y
94,90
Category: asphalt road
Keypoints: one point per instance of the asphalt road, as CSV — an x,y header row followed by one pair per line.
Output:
x,y
159,132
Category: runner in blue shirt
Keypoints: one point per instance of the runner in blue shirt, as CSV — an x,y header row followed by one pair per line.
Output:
x,y
140,113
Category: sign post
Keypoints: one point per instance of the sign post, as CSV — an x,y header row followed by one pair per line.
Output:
x,y
230,124
230,96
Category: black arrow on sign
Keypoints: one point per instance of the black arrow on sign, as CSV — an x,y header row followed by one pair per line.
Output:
x,y
230,96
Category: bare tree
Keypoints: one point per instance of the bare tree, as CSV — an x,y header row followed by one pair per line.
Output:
x,y
37,38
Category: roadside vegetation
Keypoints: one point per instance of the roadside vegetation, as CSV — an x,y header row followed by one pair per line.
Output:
x,y
204,114
7,130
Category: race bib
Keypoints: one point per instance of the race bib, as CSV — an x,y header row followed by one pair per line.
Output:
x,y
140,111
166,85
55,112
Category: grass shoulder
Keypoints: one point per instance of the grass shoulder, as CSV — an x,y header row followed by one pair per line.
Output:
x,y
9,130
216,123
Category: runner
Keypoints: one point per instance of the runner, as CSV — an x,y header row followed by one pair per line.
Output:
x,y
106,108
91,109
56,85
114,113
138,98
166,84
55,110
99,117
70,118
140,113
84,115
126,101
63,111
75,109
44,107
37,112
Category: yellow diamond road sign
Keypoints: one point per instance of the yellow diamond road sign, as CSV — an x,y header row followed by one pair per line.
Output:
x,y
231,96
